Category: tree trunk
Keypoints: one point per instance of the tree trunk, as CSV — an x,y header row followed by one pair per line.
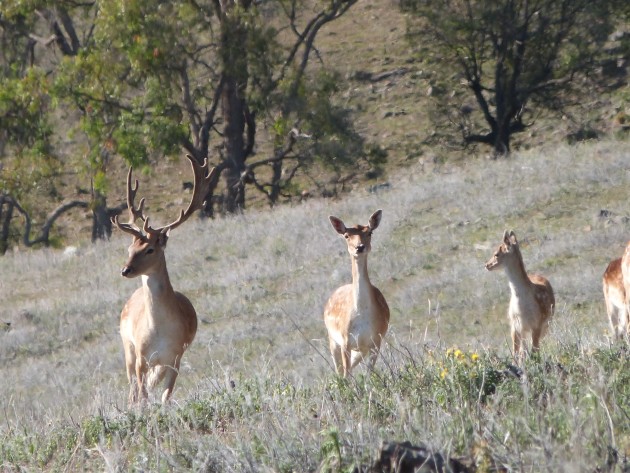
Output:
x,y
5,221
503,99
233,106
275,182
101,224
502,138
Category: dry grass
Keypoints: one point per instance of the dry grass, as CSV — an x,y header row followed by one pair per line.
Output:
x,y
259,283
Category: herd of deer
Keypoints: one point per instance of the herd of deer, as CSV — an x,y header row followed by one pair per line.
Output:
x,y
157,324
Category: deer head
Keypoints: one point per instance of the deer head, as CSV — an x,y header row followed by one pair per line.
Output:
x,y
508,248
359,237
146,253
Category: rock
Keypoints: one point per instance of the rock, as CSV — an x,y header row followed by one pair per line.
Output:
x,y
407,458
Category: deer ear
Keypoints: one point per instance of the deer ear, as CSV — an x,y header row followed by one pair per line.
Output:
x,y
513,240
163,238
375,219
338,225
506,237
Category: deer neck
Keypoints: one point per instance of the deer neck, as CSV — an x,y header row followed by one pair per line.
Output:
x,y
517,276
158,291
361,285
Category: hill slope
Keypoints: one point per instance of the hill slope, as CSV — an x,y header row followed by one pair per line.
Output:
x,y
259,283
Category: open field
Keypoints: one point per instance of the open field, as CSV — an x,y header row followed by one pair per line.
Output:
x,y
257,392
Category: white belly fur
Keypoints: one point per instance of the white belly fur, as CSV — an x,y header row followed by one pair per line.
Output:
x,y
524,313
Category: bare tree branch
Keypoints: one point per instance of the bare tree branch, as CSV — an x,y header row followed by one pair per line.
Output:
x,y
48,223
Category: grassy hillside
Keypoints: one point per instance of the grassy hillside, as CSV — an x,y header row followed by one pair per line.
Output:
x,y
257,391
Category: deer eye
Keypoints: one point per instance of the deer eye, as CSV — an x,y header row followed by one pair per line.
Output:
x,y
150,251
346,236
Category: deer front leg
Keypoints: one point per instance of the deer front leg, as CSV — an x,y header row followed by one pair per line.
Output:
x,y
130,364
516,343
374,351
373,355
142,370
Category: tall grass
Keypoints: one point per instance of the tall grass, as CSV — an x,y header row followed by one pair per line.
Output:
x,y
257,392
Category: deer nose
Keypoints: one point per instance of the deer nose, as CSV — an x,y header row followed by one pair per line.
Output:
x,y
360,248
125,271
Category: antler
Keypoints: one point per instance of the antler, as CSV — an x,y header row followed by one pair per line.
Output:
x,y
135,213
200,190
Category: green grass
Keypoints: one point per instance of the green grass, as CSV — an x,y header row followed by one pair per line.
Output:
x,y
567,412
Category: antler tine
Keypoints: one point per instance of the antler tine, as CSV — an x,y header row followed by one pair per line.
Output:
x,y
134,213
127,227
200,190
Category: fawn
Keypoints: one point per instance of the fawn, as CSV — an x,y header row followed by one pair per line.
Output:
x,y
532,301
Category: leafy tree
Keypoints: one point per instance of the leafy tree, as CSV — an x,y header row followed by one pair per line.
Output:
x,y
28,161
165,75
512,56
142,79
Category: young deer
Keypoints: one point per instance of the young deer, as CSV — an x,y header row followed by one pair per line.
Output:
x,y
615,297
532,302
157,324
356,315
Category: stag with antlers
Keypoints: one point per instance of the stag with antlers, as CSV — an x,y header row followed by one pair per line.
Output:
x,y
157,323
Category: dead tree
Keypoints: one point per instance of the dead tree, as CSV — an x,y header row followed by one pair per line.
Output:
x,y
9,205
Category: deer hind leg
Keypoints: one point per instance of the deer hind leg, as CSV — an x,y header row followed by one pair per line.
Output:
x,y
170,376
622,324
614,319
335,351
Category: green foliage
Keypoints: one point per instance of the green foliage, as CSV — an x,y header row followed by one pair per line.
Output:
x,y
510,57
559,395
26,448
129,83
24,105
333,141
331,452
468,373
